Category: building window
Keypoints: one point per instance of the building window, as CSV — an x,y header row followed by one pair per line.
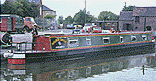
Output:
x,y
88,40
121,39
133,38
137,19
48,13
106,40
136,28
113,24
73,42
144,37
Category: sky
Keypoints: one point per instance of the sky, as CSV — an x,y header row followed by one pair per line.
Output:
x,y
71,7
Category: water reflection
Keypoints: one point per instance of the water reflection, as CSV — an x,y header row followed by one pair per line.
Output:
x,y
80,69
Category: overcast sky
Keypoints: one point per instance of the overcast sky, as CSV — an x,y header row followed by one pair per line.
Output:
x,y
70,7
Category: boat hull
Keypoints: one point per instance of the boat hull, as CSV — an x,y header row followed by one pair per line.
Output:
x,y
96,52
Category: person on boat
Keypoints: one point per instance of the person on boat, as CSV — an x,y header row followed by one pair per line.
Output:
x,y
35,32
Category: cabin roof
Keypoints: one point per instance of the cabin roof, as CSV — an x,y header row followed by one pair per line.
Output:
x,y
94,34
8,15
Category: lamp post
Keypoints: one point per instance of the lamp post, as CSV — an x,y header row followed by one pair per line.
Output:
x,y
145,24
85,11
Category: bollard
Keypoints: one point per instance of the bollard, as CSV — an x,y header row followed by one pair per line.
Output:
x,y
18,46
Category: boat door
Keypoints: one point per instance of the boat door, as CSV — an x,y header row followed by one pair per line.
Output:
x,y
10,24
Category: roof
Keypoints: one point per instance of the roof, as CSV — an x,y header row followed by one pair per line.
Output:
x,y
9,15
126,15
38,2
44,8
144,11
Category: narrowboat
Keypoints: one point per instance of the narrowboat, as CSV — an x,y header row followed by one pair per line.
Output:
x,y
60,46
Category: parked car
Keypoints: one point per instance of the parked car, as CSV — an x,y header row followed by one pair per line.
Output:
x,y
70,26
76,31
153,35
87,26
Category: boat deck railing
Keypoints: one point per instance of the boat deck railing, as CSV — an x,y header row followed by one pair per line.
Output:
x,y
26,47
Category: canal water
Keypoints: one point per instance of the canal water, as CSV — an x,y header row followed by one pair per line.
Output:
x,y
125,68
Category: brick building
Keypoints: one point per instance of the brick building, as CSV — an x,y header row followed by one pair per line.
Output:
x,y
107,25
140,19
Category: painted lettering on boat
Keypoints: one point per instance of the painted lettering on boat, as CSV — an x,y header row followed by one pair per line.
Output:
x,y
58,42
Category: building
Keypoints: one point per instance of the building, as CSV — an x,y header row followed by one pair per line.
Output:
x,y
140,19
107,25
47,11
126,20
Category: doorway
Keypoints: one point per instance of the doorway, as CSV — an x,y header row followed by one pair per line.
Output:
x,y
127,26
12,24
148,28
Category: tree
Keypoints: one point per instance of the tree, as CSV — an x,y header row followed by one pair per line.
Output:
x,y
68,20
50,16
129,8
7,8
20,7
80,17
107,15
60,20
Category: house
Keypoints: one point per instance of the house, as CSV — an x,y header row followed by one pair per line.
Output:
x,y
47,11
140,19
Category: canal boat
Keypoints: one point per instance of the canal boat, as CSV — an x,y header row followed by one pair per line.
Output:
x,y
60,46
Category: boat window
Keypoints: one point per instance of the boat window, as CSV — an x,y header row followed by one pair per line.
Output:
x,y
88,40
106,40
121,39
133,38
0,20
32,19
96,28
144,37
73,42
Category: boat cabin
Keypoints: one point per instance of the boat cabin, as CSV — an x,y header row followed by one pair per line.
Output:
x,y
84,41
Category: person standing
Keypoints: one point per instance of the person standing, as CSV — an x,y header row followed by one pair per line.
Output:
x,y
35,32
